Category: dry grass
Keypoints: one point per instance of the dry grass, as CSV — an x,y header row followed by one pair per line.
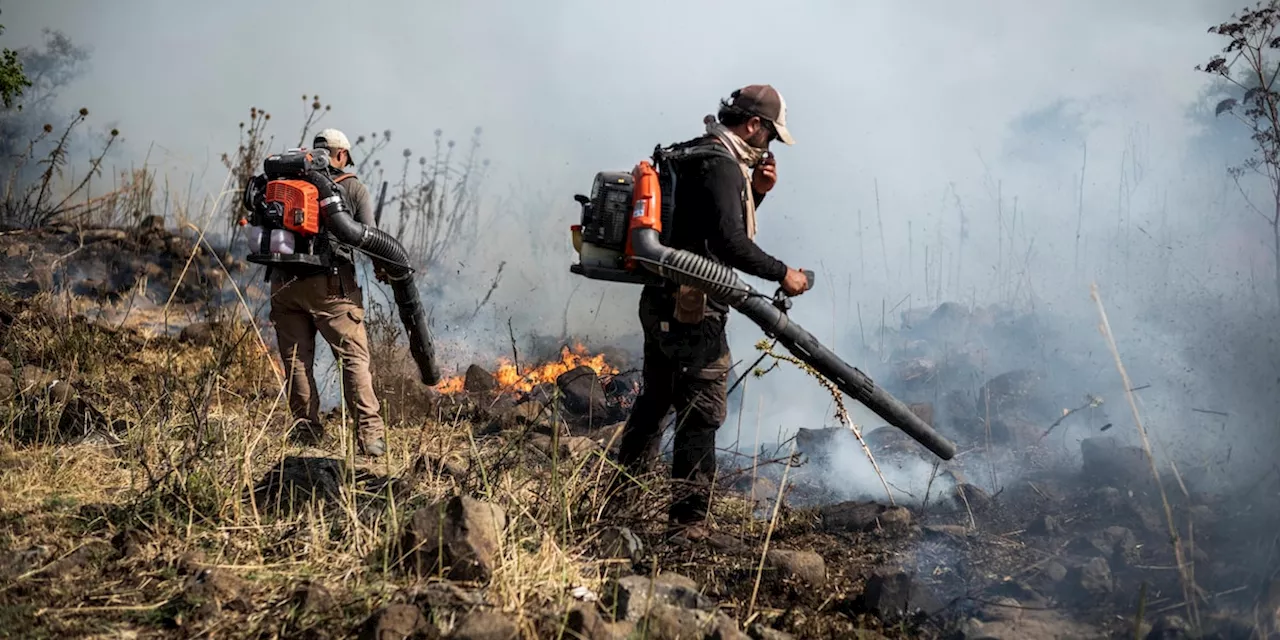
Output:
x,y
198,427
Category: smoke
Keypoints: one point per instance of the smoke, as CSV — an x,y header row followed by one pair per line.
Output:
x,y
996,154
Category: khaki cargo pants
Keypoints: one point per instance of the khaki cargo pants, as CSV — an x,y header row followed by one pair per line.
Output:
x,y
332,305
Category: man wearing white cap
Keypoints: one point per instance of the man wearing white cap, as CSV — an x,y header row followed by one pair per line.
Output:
x,y
331,304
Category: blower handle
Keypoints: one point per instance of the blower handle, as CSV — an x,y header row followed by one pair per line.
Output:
x,y
783,301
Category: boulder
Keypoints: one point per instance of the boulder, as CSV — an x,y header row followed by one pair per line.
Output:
x,y
619,543
298,480
632,597
478,380
1117,544
1092,579
806,566
865,516
582,394
588,624
458,536
485,625
892,593
667,622
569,446
397,622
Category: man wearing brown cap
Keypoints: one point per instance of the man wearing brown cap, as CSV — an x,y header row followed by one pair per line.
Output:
x,y
721,181
332,304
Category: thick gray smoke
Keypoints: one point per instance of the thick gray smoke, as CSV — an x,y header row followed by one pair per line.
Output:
x,y
999,153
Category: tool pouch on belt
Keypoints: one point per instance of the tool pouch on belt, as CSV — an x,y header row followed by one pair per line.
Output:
x,y
691,305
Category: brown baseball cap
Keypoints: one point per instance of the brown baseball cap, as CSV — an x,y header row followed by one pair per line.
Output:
x,y
765,101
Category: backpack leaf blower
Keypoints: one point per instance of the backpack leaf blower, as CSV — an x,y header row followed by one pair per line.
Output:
x,y
625,224
297,213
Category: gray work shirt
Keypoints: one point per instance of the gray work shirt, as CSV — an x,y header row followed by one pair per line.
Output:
x,y
359,200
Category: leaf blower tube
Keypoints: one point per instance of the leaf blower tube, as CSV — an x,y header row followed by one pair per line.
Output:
x,y
720,282
393,259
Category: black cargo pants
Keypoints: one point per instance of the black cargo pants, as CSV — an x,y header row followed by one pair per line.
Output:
x,y
685,366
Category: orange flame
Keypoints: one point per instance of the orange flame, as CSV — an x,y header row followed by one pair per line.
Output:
x,y
509,379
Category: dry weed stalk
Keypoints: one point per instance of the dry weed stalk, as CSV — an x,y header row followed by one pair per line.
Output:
x,y
1187,580
841,411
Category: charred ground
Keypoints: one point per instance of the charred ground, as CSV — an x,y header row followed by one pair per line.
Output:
x,y
147,487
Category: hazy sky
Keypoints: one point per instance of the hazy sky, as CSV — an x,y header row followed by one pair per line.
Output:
x,y
911,97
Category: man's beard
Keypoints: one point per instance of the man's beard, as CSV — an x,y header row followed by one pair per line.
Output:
x,y
760,140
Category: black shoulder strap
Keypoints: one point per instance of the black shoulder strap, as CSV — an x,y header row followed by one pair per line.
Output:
x,y
696,148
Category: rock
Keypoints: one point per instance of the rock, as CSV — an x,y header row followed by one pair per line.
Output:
x,y
924,410
953,531
212,589
84,557
8,388
667,622
1093,578
582,393
1055,571
1106,461
620,543
1117,544
894,593
298,480
570,446
152,223
1045,526
915,374
865,516
631,597
1001,608
804,565
313,597
131,543
760,490
459,536
758,631
530,412
1170,627
819,444
452,464
889,443
6,368
397,622
99,235
972,498
1029,624
199,334
485,625
588,624
478,380
38,384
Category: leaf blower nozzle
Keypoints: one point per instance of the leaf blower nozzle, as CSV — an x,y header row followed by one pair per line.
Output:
x,y
721,283
390,256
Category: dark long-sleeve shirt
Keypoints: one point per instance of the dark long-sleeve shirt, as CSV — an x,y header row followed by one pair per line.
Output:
x,y
708,219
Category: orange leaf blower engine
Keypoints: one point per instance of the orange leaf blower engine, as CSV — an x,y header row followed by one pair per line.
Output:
x,y
619,203
283,206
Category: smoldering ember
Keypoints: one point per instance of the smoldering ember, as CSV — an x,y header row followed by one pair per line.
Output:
x,y
1014,395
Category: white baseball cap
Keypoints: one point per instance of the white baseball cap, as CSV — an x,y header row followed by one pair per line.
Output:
x,y
333,139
